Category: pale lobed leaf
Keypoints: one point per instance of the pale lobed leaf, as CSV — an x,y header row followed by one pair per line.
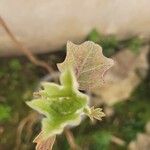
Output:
x,y
88,62
44,144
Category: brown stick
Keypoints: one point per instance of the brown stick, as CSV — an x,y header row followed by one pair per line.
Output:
x,y
71,140
117,141
28,121
24,49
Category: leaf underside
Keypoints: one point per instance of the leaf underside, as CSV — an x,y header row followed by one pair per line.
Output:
x,y
88,62
44,144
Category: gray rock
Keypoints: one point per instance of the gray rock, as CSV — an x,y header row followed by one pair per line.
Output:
x,y
46,25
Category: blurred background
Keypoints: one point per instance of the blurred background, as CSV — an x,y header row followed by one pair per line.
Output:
x,y
33,35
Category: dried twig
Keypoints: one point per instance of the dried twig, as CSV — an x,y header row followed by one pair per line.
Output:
x,y
71,140
28,122
118,141
24,49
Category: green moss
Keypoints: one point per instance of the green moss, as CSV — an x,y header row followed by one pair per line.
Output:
x,y
15,64
132,117
111,44
5,112
134,113
134,45
18,81
108,43
94,36
101,140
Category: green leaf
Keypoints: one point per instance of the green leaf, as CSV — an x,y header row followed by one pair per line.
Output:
x,y
62,105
